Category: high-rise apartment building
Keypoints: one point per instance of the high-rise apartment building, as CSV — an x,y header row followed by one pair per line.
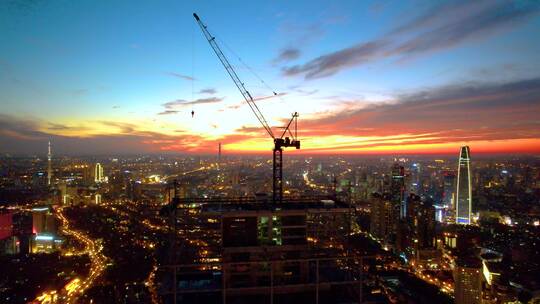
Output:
x,y
468,281
384,218
425,224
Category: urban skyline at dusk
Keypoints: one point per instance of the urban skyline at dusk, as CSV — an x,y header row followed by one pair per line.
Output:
x,y
338,152
366,78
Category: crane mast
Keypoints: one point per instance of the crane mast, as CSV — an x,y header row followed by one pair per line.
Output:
x,y
279,142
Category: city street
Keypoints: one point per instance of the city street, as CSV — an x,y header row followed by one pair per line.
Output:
x,y
76,287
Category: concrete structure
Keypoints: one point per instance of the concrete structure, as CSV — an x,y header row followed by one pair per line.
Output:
x,y
249,250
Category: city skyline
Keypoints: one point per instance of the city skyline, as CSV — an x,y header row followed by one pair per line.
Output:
x,y
78,238
201,152
445,75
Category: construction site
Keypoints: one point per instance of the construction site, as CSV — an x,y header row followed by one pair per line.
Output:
x,y
246,250
267,249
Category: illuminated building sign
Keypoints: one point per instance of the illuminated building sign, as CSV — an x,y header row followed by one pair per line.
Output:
x,y
44,237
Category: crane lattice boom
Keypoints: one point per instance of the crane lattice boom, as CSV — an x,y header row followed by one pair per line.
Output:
x,y
279,142
239,84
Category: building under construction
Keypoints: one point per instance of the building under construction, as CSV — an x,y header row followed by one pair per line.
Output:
x,y
247,250
259,249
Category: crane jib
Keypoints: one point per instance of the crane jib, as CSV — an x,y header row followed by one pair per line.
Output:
x,y
279,142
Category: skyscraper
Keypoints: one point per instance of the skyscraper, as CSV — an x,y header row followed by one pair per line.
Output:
x,y
384,218
414,180
49,169
445,211
449,189
98,173
425,224
397,187
463,189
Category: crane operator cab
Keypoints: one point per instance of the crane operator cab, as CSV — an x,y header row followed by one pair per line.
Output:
x,y
287,142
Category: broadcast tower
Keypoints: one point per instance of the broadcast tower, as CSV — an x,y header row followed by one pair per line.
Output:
x,y
49,169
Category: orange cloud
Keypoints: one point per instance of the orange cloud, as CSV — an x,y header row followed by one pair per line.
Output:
x,y
491,118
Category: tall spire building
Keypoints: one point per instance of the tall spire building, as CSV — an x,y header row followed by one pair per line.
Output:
x,y
49,168
463,189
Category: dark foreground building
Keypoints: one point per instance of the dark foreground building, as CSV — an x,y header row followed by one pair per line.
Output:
x,y
254,251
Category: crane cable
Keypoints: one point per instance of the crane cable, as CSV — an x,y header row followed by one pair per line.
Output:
x,y
252,71
249,99
192,68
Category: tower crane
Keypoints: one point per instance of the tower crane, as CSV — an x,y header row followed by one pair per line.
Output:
x,y
280,141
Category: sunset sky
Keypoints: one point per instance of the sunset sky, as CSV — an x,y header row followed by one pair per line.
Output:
x,y
393,77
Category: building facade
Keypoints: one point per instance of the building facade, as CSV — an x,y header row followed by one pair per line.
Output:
x,y
384,218
397,187
468,282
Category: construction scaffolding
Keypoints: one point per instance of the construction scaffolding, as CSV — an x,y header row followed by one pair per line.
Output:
x,y
242,250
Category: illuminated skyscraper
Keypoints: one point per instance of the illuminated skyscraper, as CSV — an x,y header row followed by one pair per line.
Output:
x,y
49,169
414,180
463,189
397,187
445,211
449,189
98,173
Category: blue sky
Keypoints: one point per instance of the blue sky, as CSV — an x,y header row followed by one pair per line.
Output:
x,y
73,63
